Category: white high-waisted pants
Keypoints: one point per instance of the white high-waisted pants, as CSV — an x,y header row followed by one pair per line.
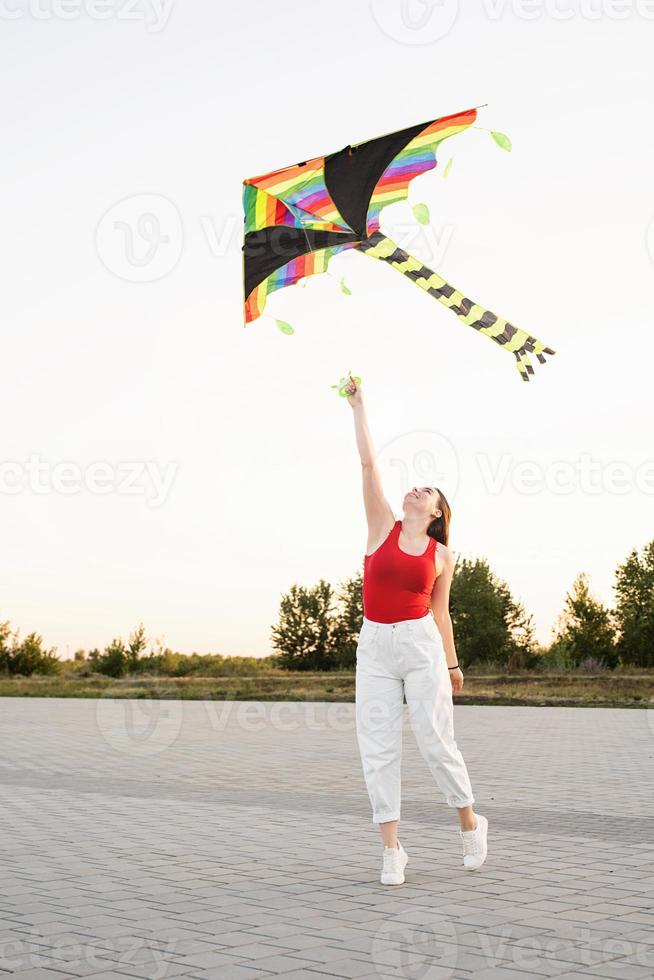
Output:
x,y
407,658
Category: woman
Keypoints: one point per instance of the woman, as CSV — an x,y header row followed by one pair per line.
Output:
x,y
406,647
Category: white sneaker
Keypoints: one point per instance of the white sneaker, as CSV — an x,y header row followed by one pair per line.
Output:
x,y
395,860
475,845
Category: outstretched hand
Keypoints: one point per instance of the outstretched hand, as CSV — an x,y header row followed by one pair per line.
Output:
x,y
354,392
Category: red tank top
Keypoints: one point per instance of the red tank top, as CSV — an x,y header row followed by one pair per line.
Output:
x,y
397,585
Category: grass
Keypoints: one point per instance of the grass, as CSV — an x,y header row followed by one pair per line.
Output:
x,y
601,689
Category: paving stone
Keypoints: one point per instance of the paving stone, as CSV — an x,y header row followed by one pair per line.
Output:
x,y
188,847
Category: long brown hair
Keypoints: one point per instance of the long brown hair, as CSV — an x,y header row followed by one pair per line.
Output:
x,y
440,526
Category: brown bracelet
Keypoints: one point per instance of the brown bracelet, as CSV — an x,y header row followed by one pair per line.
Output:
x,y
453,668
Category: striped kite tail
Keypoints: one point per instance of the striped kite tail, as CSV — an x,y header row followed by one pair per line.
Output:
x,y
511,338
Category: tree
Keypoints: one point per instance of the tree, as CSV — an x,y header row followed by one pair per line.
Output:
x,y
118,658
348,623
112,661
489,624
135,647
305,631
634,613
5,647
26,657
584,630
521,644
30,657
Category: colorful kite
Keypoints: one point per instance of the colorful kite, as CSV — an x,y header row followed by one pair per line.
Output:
x,y
297,218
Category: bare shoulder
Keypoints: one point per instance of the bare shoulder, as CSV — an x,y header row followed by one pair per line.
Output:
x,y
445,557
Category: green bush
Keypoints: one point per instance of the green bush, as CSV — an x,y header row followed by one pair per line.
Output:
x,y
26,657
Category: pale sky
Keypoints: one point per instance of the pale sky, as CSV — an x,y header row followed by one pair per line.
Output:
x,y
208,467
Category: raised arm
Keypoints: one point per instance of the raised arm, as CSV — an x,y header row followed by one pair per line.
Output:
x,y
379,515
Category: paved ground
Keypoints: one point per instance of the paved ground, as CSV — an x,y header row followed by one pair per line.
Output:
x,y
234,839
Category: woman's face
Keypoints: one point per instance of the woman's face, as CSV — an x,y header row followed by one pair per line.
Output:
x,y
422,502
